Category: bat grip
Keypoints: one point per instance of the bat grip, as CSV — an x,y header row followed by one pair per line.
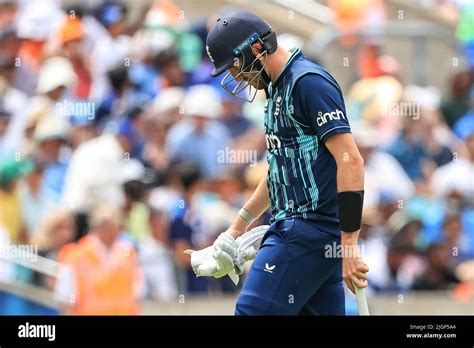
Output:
x,y
361,301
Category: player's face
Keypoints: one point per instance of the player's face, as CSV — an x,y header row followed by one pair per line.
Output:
x,y
243,84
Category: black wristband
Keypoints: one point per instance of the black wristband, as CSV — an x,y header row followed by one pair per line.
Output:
x,y
350,210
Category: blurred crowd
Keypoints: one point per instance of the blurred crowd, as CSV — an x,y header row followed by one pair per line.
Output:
x,y
118,152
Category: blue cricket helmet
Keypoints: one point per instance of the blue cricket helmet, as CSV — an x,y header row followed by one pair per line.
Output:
x,y
231,35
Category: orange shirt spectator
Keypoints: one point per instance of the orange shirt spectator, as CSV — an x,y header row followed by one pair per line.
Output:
x,y
101,275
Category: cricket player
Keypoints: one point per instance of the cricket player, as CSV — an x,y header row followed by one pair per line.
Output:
x,y
314,183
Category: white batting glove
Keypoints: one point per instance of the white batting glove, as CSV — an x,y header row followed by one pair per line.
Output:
x,y
217,260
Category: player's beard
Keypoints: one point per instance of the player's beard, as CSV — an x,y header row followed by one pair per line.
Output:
x,y
252,79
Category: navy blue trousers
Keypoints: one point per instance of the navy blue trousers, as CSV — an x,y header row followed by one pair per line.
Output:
x,y
293,273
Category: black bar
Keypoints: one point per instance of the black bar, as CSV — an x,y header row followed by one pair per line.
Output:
x,y
140,331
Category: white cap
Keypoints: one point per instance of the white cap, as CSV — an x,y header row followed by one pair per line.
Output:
x,y
429,98
168,99
132,169
148,42
51,127
162,199
202,100
55,72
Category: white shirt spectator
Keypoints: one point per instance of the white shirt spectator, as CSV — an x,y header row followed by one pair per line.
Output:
x,y
94,174
14,102
457,175
103,61
158,267
384,174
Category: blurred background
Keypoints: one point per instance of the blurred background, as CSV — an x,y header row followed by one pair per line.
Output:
x,y
118,151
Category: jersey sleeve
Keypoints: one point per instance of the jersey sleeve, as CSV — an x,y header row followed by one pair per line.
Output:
x,y
320,105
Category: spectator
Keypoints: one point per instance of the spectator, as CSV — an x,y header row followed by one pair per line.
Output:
x,y
11,214
383,174
373,241
464,291
50,135
199,138
457,177
13,102
34,204
55,231
456,104
120,97
439,275
245,135
466,122
434,134
232,117
403,266
168,106
23,79
82,130
5,119
162,114
137,214
86,180
101,273
410,151
457,240
187,230
35,23
156,258
71,37
113,16
171,73
56,77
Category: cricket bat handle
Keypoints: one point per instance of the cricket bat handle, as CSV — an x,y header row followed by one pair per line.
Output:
x,y
361,301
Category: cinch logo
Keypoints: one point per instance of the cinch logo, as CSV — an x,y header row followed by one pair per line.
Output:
x,y
334,115
272,141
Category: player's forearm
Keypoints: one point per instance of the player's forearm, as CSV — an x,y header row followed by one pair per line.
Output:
x,y
255,206
350,177
350,173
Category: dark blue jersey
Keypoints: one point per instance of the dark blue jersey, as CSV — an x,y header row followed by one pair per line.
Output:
x,y
304,109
